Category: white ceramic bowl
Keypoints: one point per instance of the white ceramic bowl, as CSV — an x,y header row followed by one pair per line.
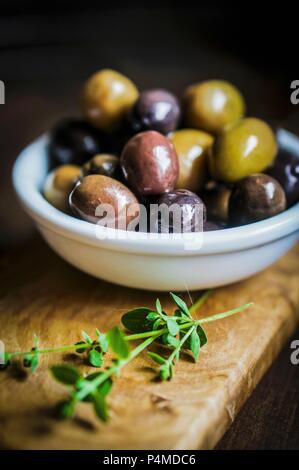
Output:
x,y
163,263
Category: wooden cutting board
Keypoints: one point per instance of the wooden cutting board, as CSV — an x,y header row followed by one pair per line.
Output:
x,y
41,294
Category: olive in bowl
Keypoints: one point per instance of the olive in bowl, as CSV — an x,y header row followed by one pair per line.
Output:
x,y
74,141
192,148
213,105
247,147
102,164
256,198
216,198
187,212
104,200
150,164
107,97
212,226
285,170
58,185
155,109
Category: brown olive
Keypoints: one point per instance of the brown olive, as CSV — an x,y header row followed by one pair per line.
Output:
x,y
255,198
107,97
150,164
58,185
104,200
216,198
213,105
102,164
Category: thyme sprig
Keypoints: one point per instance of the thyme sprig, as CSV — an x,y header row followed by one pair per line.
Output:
x,y
178,332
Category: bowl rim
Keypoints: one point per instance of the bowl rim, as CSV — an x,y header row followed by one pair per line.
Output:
x,y
31,163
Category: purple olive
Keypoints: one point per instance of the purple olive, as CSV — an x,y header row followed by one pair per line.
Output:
x,y
285,170
155,109
185,212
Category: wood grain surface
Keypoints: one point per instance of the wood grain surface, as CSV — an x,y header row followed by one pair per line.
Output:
x,y
41,294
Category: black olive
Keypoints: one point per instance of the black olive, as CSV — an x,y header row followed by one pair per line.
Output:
x,y
74,141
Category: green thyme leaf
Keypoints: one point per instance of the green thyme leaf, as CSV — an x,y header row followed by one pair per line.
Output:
x,y
86,337
34,363
172,341
80,350
195,344
156,324
95,358
172,326
65,409
165,372
159,307
103,342
27,360
156,357
181,304
100,406
4,360
182,316
65,374
164,338
85,384
136,320
118,342
152,316
202,335
105,387
93,375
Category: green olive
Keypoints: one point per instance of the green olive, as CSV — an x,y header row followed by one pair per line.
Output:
x,y
107,96
245,148
102,164
58,185
192,147
216,198
213,105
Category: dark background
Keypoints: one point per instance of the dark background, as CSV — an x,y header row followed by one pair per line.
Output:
x,y
47,50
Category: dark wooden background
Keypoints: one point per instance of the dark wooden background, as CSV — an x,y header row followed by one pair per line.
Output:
x,y
47,51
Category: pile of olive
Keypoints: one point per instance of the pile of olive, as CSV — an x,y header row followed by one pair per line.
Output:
x,y
135,147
